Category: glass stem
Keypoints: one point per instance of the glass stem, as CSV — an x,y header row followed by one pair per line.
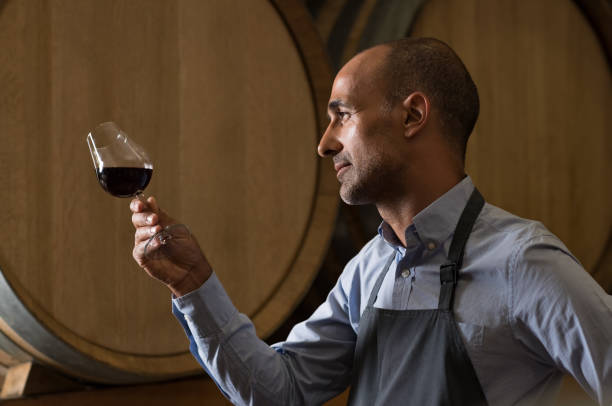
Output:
x,y
141,196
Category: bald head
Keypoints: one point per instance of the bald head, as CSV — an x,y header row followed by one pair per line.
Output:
x,y
365,73
432,67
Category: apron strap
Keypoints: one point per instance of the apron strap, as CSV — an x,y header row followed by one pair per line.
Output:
x,y
379,282
449,271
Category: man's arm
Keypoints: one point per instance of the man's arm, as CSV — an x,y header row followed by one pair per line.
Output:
x,y
311,367
558,308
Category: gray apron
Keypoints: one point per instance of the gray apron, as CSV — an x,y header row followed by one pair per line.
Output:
x,y
417,357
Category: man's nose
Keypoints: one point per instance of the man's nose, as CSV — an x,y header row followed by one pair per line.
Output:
x,y
329,144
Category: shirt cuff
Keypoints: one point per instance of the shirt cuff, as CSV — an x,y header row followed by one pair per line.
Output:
x,y
207,309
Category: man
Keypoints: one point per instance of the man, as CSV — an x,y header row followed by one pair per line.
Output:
x,y
454,302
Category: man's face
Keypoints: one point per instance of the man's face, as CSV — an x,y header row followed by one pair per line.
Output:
x,y
362,134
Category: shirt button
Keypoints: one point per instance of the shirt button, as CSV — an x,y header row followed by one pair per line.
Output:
x,y
431,245
405,273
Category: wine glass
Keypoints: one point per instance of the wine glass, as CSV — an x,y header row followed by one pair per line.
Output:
x,y
124,169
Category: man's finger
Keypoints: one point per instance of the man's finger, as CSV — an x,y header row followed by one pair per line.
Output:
x,y
144,219
138,252
145,233
137,206
153,204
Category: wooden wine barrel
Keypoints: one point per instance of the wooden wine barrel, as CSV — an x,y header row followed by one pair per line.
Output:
x,y
229,100
541,147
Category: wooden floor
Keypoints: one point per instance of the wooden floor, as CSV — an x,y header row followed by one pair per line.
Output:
x,y
194,391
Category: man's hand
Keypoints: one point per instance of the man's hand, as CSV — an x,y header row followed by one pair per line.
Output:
x,y
180,264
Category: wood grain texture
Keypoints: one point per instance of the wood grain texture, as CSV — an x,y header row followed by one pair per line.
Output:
x,y
542,147
228,105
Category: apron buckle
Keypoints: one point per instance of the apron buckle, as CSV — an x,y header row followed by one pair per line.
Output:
x,y
448,273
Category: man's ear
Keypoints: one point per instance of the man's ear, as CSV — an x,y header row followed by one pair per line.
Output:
x,y
416,113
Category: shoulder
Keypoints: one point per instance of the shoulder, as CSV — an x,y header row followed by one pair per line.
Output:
x,y
535,258
523,253
498,228
505,225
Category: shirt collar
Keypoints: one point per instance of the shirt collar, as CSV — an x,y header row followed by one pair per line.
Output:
x,y
387,233
435,223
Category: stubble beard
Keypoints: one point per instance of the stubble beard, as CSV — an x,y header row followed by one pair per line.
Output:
x,y
367,182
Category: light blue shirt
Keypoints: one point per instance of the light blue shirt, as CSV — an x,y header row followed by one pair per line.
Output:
x,y
526,309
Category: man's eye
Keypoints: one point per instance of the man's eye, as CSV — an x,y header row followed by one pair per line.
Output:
x,y
342,115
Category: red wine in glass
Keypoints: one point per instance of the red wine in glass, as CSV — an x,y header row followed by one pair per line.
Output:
x,y
124,181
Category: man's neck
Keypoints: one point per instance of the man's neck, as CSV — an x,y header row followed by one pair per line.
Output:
x,y
400,211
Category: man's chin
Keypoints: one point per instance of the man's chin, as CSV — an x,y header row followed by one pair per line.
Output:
x,y
352,196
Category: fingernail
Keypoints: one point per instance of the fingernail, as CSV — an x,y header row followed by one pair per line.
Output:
x,y
150,219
